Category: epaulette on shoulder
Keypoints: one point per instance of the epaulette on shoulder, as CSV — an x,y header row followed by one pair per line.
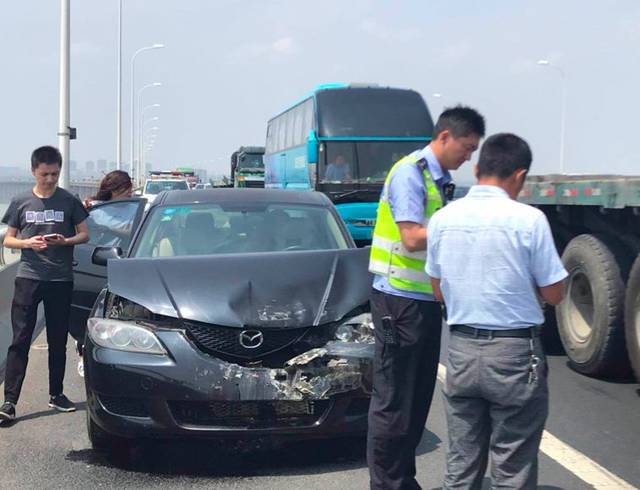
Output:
x,y
423,164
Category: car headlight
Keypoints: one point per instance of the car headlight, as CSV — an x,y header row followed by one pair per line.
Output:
x,y
358,329
126,336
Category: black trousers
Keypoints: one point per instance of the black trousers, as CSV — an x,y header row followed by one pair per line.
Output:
x,y
404,377
57,306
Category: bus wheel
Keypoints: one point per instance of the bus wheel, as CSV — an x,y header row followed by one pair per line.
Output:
x,y
632,317
590,319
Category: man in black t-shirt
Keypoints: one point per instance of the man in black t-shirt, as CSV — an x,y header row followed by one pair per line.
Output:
x,y
49,222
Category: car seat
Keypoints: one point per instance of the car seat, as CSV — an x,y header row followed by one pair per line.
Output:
x,y
199,235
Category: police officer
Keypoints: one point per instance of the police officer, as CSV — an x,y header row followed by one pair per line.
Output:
x,y
407,318
490,257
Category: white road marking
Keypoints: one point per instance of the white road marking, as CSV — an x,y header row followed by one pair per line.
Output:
x,y
573,460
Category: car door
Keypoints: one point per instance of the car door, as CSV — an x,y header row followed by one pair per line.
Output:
x,y
111,224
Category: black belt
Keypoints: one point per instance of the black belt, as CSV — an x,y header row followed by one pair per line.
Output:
x,y
486,333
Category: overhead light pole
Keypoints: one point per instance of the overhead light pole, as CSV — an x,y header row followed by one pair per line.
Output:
x,y
140,169
139,100
563,107
133,101
119,92
64,131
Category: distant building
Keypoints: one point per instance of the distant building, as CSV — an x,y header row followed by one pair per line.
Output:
x,y
90,167
101,165
111,166
73,166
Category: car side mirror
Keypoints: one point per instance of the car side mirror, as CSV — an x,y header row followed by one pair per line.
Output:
x,y
101,255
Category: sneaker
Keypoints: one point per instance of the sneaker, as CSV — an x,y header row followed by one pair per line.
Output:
x,y
61,403
7,412
81,368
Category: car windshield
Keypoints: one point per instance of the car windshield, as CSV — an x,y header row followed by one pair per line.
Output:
x,y
157,186
210,229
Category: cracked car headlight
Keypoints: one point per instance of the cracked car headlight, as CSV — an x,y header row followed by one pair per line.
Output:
x,y
126,336
119,308
357,329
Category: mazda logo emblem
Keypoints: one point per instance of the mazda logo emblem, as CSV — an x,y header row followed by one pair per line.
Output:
x,y
251,339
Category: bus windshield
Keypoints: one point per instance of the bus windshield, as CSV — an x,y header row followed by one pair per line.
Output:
x,y
370,112
362,161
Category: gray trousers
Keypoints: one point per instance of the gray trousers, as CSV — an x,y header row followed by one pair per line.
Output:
x,y
493,407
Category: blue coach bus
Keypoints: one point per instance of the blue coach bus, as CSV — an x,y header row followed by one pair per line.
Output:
x,y
342,140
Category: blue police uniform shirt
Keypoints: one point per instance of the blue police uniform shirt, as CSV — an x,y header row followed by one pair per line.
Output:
x,y
408,198
491,253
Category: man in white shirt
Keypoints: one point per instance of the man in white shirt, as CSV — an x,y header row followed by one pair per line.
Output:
x,y
490,258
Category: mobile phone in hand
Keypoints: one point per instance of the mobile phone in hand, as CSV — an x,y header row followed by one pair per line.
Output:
x,y
51,236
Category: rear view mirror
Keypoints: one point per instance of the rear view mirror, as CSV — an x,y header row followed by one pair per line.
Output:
x,y
312,148
101,255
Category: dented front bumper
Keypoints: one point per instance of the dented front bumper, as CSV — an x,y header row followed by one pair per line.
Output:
x,y
321,393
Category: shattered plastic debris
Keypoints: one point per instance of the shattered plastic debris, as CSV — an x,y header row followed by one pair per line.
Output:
x,y
307,357
336,368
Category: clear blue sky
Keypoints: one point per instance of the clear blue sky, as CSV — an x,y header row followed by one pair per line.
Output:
x,y
228,65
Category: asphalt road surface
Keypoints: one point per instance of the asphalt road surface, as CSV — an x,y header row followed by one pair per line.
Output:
x,y
592,441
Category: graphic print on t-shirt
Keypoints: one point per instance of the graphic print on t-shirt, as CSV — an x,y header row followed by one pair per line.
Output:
x,y
44,217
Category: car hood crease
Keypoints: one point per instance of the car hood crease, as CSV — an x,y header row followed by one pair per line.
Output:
x,y
265,290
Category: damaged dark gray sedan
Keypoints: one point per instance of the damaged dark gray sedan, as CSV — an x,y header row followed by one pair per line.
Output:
x,y
234,313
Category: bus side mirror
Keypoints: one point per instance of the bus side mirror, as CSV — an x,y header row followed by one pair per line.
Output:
x,y
312,148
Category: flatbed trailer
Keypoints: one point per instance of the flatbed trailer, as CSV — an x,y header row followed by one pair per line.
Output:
x,y
595,221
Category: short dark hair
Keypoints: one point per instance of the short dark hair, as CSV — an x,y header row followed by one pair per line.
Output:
x,y
48,155
460,121
502,154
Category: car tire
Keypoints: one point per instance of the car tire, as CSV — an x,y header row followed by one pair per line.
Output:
x,y
101,440
632,317
591,318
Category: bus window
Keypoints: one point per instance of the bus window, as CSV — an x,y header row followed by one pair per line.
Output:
x,y
339,164
280,129
297,125
290,128
269,143
307,120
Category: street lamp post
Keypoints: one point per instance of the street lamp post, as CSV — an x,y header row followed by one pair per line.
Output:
x,y
140,169
133,101
139,99
119,92
563,107
64,131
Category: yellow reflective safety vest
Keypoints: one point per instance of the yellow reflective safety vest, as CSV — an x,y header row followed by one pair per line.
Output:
x,y
403,269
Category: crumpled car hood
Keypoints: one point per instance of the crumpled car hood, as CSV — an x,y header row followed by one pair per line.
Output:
x,y
285,289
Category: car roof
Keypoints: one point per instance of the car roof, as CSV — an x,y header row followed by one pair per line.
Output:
x,y
242,195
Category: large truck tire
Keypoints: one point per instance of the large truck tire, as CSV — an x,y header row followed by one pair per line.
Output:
x,y
632,317
591,318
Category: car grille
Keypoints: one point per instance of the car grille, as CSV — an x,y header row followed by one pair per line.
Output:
x,y
225,341
129,407
251,414
257,184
